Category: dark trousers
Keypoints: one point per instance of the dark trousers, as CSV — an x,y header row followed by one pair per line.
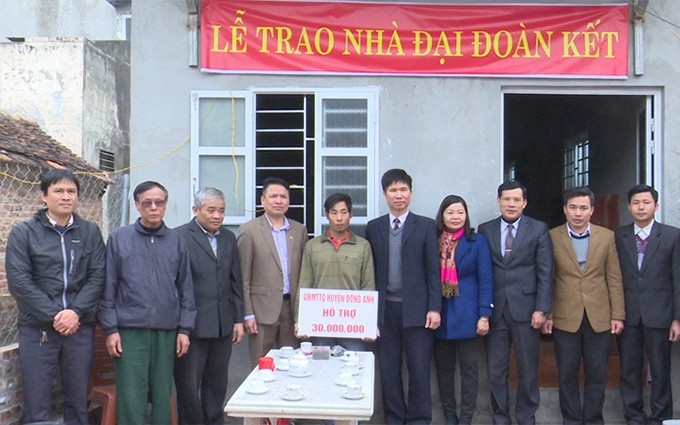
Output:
x,y
467,352
656,345
201,381
416,344
593,347
39,364
506,333
144,367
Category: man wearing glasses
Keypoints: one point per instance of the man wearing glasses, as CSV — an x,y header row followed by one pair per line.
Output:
x,y
147,309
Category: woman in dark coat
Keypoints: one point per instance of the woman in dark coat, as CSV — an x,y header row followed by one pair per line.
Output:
x,y
467,296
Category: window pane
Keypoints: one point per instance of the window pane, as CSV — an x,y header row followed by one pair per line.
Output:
x,y
217,120
219,172
345,123
347,175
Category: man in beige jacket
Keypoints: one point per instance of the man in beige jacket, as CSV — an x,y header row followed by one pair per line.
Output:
x,y
588,306
270,248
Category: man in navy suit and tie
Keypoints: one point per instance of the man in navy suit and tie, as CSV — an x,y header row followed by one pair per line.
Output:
x,y
406,257
649,254
521,252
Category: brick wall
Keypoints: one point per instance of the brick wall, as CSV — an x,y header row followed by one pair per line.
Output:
x,y
20,200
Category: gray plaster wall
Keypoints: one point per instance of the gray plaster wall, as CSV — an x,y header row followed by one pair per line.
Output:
x,y
454,123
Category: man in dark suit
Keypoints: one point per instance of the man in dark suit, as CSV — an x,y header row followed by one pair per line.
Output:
x,y
406,258
270,248
588,307
521,253
649,253
201,375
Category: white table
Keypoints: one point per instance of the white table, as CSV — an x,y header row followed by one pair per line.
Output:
x,y
323,398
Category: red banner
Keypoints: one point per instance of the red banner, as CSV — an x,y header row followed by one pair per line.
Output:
x,y
414,39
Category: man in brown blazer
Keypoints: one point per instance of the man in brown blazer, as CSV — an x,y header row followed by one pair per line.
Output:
x,y
588,306
270,248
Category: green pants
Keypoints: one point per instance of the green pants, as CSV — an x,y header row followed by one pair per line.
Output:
x,y
145,367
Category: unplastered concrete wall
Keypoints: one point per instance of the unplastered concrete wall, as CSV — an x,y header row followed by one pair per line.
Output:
x,y
77,90
42,79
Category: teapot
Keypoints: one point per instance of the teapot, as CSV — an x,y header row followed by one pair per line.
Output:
x,y
298,364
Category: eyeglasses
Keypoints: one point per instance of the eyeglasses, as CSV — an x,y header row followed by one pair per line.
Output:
x,y
160,203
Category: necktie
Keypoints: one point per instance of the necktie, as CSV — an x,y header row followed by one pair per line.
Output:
x,y
641,248
509,241
396,222
641,244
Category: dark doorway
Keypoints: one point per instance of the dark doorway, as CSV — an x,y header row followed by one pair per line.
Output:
x,y
554,141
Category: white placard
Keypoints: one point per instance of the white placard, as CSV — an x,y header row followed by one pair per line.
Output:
x,y
338,313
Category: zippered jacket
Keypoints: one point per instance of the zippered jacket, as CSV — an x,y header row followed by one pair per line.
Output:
x,y
148,281
48,272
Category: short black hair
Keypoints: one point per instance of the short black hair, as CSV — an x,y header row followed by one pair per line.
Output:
x,y
512,185
395,175
274,180
55,176
577,192
148,185
642,188
335,199
446,202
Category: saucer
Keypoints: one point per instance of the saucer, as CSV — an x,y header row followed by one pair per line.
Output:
x,y
282,368
354,372
343,383
348,358
353,397
300,375
269,378
293,396
262,390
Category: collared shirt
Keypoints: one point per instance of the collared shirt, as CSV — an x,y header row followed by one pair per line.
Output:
x,y
211,238
337,242
402,219
576,235
504,231
54,223
643,232
581,243
281,242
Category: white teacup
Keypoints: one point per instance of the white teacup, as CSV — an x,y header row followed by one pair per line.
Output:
x,y
257,385
283,364
350,355
286,351
306,347
293,391
351,366
265,374
354,390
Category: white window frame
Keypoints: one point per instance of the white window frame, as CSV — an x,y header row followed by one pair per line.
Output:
x,y
247,151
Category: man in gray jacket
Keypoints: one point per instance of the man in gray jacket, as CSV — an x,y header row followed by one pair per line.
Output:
x,y
55,270
147,309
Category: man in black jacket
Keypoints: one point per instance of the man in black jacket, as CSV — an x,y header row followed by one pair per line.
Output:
x,y
55,265
201,375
